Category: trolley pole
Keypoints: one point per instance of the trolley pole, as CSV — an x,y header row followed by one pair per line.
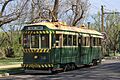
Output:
x,y
88,25
119,41
102,19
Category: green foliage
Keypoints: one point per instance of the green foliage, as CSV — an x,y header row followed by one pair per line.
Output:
x,y
12,71
10,61
11,40
112,28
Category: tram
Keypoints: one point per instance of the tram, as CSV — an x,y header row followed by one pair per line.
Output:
x,y
53,46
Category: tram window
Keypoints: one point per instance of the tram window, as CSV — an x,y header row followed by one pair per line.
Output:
x,y
87,41
91,41
74,40
44,41
57,39
94,41
26,41
34,41
84,41
99,41
64,40
69,40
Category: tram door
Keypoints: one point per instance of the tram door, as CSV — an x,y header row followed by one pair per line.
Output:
x,y
58,48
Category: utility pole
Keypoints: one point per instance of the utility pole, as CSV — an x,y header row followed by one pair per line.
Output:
x,y
119,41
102,19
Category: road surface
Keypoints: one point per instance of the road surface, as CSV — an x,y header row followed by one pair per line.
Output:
x,y
108,70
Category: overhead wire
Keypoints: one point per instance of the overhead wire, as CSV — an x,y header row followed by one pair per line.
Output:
x,y
102,1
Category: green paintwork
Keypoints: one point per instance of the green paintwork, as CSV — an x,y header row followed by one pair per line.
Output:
x,y
65,55
78,55
88,54
28,58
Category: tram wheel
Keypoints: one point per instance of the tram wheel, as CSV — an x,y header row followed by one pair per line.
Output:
x,y
73,66
66,67
95,62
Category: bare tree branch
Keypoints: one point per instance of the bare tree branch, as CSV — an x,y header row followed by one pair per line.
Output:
x,y
55,11
11,17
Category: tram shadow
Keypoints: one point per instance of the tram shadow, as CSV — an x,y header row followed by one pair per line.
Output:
x,y
109,71
113,67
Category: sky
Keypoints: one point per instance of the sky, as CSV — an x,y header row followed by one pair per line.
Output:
x,y
109,6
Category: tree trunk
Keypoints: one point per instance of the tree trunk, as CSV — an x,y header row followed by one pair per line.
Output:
x,y
55,11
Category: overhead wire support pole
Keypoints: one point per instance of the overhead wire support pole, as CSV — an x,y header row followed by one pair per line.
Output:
x,y
119,41
102,19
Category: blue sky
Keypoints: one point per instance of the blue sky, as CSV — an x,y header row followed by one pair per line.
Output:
x,y
109,6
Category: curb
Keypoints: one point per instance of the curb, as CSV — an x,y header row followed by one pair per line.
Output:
x,y
10,66
4,75
113,58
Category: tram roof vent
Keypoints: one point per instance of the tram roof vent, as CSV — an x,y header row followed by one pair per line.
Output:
x,y
83,26
56,25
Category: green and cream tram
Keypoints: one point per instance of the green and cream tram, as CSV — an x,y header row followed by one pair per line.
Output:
x,y
51,46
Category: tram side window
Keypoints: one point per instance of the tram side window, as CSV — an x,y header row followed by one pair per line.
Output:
x,y
26,41
99,41
34,41
74,40
44,41
94,41
84,41
69,40
64,40
91,41
87,41
57,39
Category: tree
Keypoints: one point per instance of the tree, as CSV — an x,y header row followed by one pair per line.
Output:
x,y
19,12
55,11
11,16
112,28
96,25
73,11
112,31
10,11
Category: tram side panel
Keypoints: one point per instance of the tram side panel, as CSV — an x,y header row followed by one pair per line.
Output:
x,y
64,55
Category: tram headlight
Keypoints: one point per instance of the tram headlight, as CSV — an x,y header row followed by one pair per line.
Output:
x,y
35,57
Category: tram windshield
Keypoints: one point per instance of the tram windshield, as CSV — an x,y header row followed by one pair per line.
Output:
x,y
36,41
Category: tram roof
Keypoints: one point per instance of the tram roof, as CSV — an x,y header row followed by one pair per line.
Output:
x,y
63,26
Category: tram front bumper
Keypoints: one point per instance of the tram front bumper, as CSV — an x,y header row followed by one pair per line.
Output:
x,y
37,66
38,71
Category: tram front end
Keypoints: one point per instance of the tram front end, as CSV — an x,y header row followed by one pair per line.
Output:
x,y
36,51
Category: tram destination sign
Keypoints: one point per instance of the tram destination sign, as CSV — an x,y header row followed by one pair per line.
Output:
x,y
34,27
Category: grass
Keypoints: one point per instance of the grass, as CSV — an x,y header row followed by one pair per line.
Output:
x,y
116,54
12,71
10,61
